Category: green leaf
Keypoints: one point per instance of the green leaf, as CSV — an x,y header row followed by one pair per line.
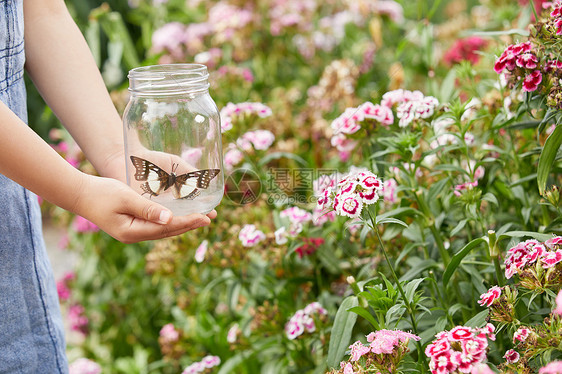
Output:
x,y
365,314
459,227
232,363
458,257
418,269
411,287
391,220
341,332
521,234
547,157
478,320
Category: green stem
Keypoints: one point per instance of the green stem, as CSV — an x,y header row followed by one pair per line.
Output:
x,y
409,308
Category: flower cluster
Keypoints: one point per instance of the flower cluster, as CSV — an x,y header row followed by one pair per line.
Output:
x,y
351,193
250,236
501,302
520,60
537,264
459,350
207,362
169,341
555,367
464,50
410,105
291,14
384,352
296,217
351,120
303,320
63,286
77,319
84,366
247,109
258,139
309,246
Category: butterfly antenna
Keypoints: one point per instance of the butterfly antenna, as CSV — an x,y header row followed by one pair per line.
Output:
x,y
174,167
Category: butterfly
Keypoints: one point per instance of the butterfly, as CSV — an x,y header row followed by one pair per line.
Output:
x,y
185,186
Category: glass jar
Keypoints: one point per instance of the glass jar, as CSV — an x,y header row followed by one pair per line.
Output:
x,y
173,150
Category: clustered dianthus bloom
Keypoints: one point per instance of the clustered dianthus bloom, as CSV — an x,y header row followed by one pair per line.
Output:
x,y
84,366
207,362
467,186
309,246
384,352
555,367
303,320
319,186
250,236
63,286
352,120
258,139
297,217
351,193
411,105
537,264
169,334
77,319
459,350
232,111
464,50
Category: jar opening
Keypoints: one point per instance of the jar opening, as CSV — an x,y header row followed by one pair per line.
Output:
x,y
168,79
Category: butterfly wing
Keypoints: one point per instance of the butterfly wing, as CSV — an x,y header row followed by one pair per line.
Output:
x,y
156,179
188,186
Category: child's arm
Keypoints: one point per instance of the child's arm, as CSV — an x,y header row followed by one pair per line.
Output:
x,y
61,66
113,206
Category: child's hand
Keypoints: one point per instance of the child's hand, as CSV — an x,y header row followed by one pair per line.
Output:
x,y
128,217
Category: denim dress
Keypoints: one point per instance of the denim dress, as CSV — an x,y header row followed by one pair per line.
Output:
x,y
31,330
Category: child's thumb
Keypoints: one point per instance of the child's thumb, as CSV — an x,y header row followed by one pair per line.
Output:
x,y
154,212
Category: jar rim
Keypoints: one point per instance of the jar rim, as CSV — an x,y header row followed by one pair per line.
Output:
x,y
169,78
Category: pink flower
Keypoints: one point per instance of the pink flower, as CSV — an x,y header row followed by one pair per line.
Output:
x,y
84,366
460,333
260,139
380,113
293,329
232,157
315,307
481,369
527,61
390,191
464,187
489,297
63,291
445,362
233,333
384,341
464,50
281,236
358,349
437,347
81,224
555,367
296,215
558,309
552,65
170,38
558,25
550,259
521,334
211,361
169,334
532,81
201,251
77,320
348,205
347,368
250,236
554,243
511,356
536,252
